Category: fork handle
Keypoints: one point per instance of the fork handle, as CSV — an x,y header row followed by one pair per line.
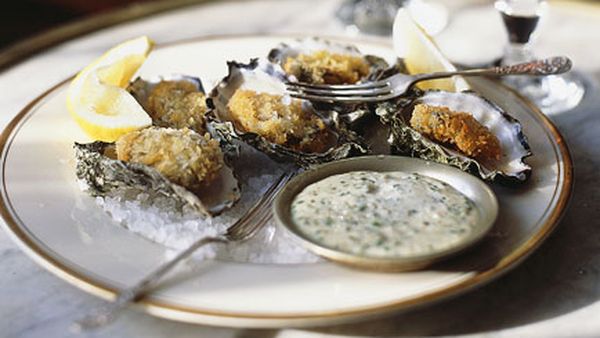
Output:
x,y
549,66
106,314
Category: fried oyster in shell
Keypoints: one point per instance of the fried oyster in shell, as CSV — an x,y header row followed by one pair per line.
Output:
x,y
177,101
462,129
177,165
319,61
456,128
284,123
251,104
181,155
325,67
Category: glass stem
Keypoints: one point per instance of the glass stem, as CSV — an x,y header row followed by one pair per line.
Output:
x,y
517,53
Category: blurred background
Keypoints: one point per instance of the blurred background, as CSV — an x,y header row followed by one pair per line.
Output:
x,y
25,18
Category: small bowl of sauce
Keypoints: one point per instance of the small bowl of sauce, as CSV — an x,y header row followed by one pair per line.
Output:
x,y
386,212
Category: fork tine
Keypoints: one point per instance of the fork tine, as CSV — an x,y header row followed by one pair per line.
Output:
x,y
259,207
335,92
366,85
258,221
343,99
259,216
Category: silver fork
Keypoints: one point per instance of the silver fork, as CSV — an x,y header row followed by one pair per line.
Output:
x,y
244,228
398,84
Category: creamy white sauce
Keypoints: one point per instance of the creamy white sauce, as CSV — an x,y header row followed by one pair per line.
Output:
x,y
384,214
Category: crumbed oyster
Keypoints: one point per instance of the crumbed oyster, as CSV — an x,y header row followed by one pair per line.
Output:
x,y
318,61
251,104
177,101
457,129
181,155
178,164
280,122
461,129
324,67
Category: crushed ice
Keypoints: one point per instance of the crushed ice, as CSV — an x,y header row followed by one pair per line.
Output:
x,y
160,220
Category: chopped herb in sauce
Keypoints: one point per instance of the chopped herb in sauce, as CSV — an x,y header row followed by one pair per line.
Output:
x,y
384,214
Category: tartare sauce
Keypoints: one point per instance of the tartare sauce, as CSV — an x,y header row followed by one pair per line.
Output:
x,y
384,214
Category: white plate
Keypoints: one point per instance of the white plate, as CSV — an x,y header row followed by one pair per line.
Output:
x,y
62,228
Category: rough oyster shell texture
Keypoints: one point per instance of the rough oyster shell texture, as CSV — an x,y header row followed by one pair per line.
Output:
x,y
264,76
378,69
142,89
283,51
103,174
405,140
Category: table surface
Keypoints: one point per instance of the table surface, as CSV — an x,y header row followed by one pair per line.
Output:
x,y
555,292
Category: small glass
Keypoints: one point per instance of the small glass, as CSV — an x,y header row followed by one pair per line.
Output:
x,y
552,94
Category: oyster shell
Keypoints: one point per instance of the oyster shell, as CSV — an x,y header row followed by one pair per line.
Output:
x,y
377,68
404,139
357,66
98,167
263,77
175,101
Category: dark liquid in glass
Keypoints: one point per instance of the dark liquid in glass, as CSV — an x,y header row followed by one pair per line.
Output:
x,y
520,27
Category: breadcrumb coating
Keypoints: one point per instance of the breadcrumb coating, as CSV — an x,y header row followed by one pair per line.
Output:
x,y
284,123
181,155
177,104
324,67
457,128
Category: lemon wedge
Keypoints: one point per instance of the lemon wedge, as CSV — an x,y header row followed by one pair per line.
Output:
x,y
97,99
421,54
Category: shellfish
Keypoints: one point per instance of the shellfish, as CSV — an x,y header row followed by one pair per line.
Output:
x,y
176,158
251,104
175,101
461,129
178,164
319,61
